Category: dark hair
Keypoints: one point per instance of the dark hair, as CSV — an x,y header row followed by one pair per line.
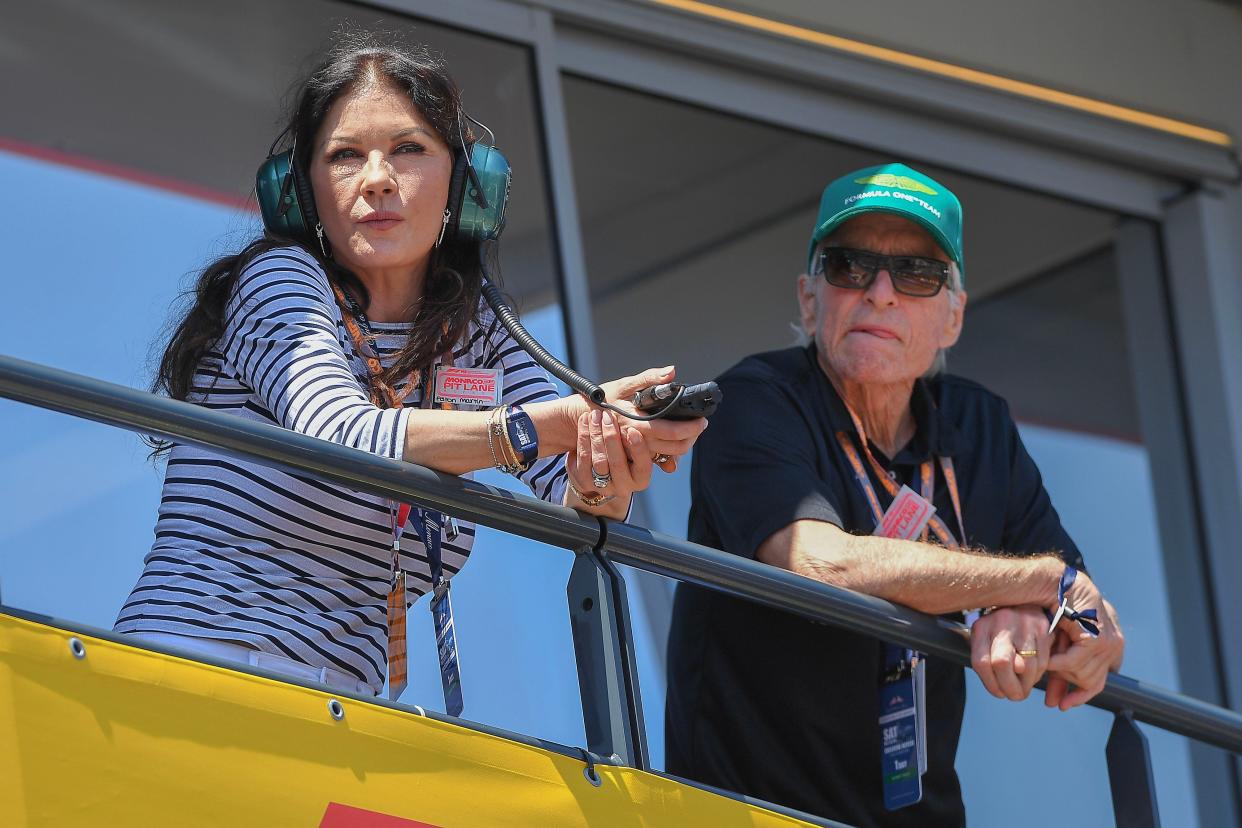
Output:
x,y
452,289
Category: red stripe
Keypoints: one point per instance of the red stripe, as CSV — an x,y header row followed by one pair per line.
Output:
x,y
344,816
111,170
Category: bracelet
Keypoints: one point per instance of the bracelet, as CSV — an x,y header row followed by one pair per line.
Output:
x,y
506,445
516,464
593,499
494,432
1088,619
491,445
523,437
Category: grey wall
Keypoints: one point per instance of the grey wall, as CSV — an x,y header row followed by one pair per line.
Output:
x,y
1181,59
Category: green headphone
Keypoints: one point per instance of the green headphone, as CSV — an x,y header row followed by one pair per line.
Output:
x,y
480,171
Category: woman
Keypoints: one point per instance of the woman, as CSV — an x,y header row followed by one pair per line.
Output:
x,y
339,340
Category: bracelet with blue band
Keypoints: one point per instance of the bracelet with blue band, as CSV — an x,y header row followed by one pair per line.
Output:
x,y
1087,619
522,434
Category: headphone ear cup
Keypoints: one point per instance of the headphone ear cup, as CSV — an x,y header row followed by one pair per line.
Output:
x,y
285,199
458,181
277,199
306,201
478,194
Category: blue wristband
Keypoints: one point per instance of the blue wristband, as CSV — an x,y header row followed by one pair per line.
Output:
x,y
1087,619
522,434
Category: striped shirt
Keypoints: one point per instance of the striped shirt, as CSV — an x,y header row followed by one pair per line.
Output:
x,y
281,562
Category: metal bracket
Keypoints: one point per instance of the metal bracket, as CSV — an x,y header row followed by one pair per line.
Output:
x,y
1130,776
604,650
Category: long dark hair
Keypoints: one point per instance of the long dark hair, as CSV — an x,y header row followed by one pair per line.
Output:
x,y
451,293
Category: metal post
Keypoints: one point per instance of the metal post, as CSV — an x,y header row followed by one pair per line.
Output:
x,y
1130,776
1164,401
604,649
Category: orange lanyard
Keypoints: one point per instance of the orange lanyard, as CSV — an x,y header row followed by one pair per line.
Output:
x,y
384,395
927,483
381,393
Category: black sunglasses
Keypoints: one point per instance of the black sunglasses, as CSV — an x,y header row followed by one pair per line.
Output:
x,y
845,267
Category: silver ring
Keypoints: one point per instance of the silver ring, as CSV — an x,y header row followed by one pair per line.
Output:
x,y
661,459
601,481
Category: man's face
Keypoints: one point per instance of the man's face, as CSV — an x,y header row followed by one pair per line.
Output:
x,y
878,336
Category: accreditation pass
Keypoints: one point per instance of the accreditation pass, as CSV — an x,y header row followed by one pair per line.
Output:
x,y
899,740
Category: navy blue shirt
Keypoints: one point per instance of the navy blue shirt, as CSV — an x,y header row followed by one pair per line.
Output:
x,y
778,707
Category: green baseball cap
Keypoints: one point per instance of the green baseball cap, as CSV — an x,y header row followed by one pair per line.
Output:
x,y
896,189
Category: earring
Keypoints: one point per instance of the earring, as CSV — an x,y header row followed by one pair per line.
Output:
x,y
319,234
443,226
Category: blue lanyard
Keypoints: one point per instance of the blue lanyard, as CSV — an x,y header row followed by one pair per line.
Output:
x,y
430,526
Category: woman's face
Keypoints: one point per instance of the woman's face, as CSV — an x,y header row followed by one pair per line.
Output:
x,y
380,175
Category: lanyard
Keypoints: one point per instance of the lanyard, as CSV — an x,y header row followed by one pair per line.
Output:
x,y
398,515
927,483
429,522
430,525
903,689
359,327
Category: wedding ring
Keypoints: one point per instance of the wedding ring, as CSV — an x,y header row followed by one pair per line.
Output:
x,y
601,481
1028,653
661,459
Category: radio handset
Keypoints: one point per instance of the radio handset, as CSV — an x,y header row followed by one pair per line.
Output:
x,y
692,401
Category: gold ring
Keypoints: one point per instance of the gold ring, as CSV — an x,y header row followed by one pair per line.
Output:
x,y
661,459
1028,653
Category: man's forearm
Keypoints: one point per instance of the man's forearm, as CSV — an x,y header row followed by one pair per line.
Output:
x,y
919,575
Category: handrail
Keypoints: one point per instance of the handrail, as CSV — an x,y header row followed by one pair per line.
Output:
x,y
271,445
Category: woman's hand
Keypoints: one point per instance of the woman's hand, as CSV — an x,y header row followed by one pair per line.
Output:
x,y
614,456
609,463
663,439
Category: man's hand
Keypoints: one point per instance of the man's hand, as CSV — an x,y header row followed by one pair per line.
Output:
x,y
995,640
1082,659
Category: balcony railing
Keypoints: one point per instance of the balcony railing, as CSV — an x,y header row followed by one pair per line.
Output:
x,y
599,616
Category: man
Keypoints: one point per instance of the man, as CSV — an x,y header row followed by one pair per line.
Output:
x,y
797,471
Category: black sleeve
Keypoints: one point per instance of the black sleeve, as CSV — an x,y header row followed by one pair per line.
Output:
x,y
1032,525
756,467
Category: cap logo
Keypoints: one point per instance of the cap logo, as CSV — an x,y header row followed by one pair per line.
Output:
x,y
900,181
900,196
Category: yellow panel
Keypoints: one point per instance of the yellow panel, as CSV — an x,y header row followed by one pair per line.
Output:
x,y
126,736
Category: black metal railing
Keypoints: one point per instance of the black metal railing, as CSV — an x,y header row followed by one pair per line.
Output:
x,y
598,610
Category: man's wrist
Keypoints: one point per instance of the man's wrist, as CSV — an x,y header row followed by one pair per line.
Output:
x,y
1046,580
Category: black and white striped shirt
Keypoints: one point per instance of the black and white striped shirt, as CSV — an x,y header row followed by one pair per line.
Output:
x,y
281,562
